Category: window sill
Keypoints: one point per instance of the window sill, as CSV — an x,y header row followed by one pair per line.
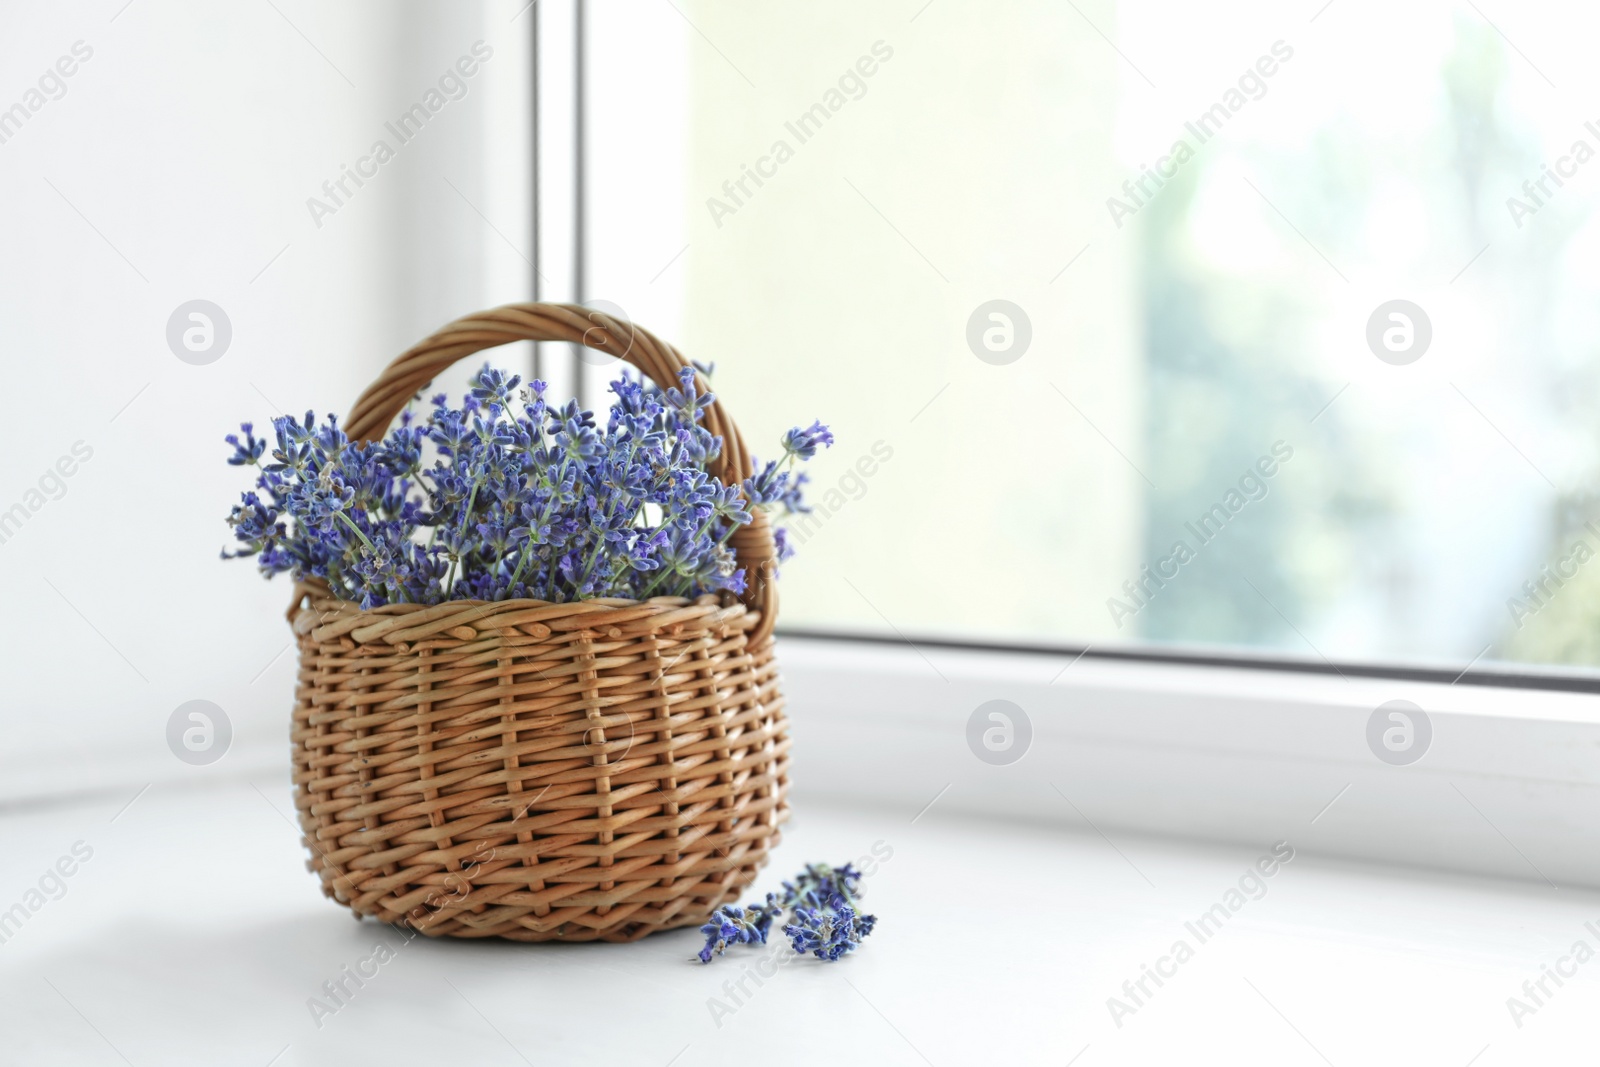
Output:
x,y
195,935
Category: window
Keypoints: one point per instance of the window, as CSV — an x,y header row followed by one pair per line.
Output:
x,y
1068,303
1251,330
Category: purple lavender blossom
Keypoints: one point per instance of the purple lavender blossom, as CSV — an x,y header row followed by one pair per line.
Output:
x,y
737,926
803,444
522,499
824,911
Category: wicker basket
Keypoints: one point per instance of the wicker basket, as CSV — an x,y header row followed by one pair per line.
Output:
x,y
535,771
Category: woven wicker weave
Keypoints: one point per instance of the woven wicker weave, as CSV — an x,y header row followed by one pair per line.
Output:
x,y
594,770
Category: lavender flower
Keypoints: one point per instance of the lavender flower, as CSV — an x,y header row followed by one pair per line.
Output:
x,y
737,926
824,911
247,453
803,444
828,933
509,496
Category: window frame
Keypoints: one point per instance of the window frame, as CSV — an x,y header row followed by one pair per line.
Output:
x,y
1240,753
1496,673
1200,742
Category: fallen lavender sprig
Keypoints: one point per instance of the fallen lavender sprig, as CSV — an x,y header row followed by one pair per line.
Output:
x,y
522,500
823,907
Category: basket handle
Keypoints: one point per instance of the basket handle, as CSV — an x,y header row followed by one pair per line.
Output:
x,y
753,545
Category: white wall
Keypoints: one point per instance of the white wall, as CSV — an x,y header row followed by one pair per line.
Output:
x,y
176,166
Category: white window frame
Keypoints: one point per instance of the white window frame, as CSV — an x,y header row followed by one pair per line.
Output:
x,y
1127,744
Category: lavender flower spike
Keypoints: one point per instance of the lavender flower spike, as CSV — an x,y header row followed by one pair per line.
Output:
x,y
825,918
510,497
803,444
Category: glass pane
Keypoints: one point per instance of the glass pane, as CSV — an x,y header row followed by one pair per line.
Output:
x,y
1141,321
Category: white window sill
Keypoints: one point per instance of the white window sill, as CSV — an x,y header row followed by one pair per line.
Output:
x,y
194,935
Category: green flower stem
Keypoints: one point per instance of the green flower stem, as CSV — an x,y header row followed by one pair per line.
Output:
x,y
364,539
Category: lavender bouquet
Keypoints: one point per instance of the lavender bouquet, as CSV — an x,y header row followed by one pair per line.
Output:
x,y
521,499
